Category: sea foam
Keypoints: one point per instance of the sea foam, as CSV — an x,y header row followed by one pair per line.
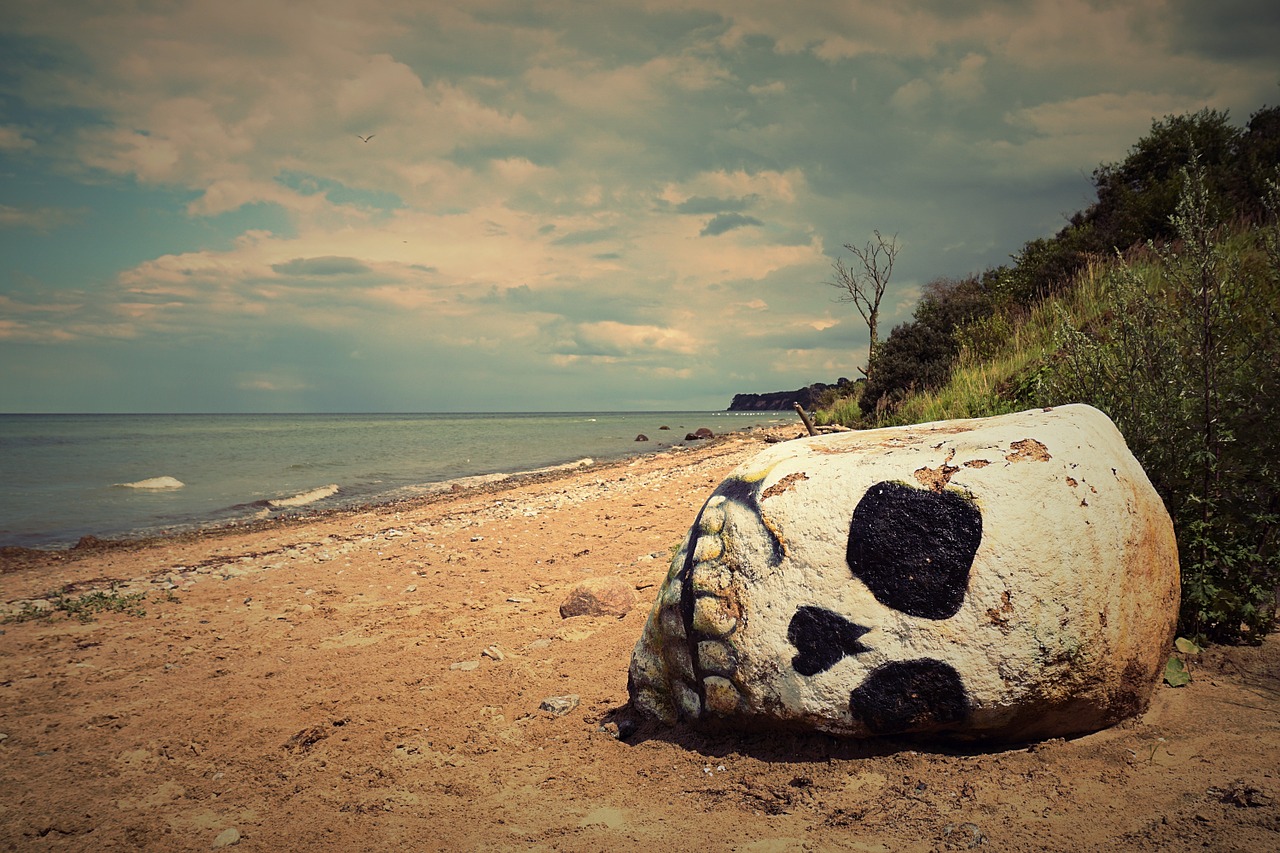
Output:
x,y
154,483
305,498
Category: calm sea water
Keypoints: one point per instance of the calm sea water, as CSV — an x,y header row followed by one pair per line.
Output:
x,y
64,476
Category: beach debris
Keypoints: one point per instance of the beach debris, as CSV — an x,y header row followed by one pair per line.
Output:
x,y
966,836
1243,795
608,596
1010,578
558,706
154,483
226,838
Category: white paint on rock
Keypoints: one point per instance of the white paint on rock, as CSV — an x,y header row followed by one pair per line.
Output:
x,y
1067,613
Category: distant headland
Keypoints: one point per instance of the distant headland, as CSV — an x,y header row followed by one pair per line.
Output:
x,y
783,400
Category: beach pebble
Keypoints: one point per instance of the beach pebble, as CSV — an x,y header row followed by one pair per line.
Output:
x,y
558,706
610,596
493,652
411,588
963,836
38,605
465,665
226,838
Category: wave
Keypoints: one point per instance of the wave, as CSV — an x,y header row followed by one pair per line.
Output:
x,y
304,498
153,483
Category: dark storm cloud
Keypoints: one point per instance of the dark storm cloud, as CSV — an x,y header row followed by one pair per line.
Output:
x,y
579,238
703,205
1230,29
327,265
727,222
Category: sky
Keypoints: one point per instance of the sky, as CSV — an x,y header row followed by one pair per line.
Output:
x,y
559,206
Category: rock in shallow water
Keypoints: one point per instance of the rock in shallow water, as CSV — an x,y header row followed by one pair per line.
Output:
x,y
1008,578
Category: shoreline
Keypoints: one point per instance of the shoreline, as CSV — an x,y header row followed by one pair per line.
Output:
x,y
268,513
15,559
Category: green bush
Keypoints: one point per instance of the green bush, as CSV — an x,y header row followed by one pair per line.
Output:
x,y
919,355
1184,361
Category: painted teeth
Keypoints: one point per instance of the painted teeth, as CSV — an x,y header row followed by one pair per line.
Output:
x,y
711,580
672,622
716,613
681,662
718,658
708,548
712,617
690,704
697,615
722,697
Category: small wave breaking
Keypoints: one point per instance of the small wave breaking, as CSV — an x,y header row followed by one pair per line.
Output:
x,y
153,483
304,498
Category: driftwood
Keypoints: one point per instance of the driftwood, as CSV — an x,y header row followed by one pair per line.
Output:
x,y
804,416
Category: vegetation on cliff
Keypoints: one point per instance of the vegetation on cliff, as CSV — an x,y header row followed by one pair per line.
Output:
x,y
1160,305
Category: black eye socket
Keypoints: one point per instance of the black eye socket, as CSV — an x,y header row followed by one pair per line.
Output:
x,y
912,694
914,548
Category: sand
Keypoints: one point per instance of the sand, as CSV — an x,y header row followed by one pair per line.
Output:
x,y
324,685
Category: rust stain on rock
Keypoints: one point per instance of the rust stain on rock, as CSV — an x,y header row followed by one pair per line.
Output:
x,y
784,484
999,616
1028,450
936,479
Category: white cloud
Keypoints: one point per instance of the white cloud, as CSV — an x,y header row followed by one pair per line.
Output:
x,y
37,218
1085,131
909,96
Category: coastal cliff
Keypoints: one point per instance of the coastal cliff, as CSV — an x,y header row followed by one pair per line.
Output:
x,y
781,400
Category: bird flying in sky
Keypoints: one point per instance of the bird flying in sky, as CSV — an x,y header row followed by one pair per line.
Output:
x,y
366,138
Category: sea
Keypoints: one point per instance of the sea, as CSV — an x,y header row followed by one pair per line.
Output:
x,y
117,476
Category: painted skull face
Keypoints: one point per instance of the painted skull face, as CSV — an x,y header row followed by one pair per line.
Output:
x,y
912,580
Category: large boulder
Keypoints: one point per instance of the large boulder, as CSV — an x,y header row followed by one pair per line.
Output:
x,y
1009,578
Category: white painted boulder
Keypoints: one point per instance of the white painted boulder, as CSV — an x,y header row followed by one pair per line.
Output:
x,y
1010,578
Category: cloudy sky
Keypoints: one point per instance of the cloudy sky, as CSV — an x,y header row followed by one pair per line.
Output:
x,y
561,205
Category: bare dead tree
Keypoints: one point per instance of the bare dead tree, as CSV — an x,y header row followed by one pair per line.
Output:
x,y
865,287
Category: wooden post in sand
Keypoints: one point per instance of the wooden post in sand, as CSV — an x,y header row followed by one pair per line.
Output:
x,y
804,416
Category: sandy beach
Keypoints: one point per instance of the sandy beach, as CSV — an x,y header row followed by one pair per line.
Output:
x,y
372,680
